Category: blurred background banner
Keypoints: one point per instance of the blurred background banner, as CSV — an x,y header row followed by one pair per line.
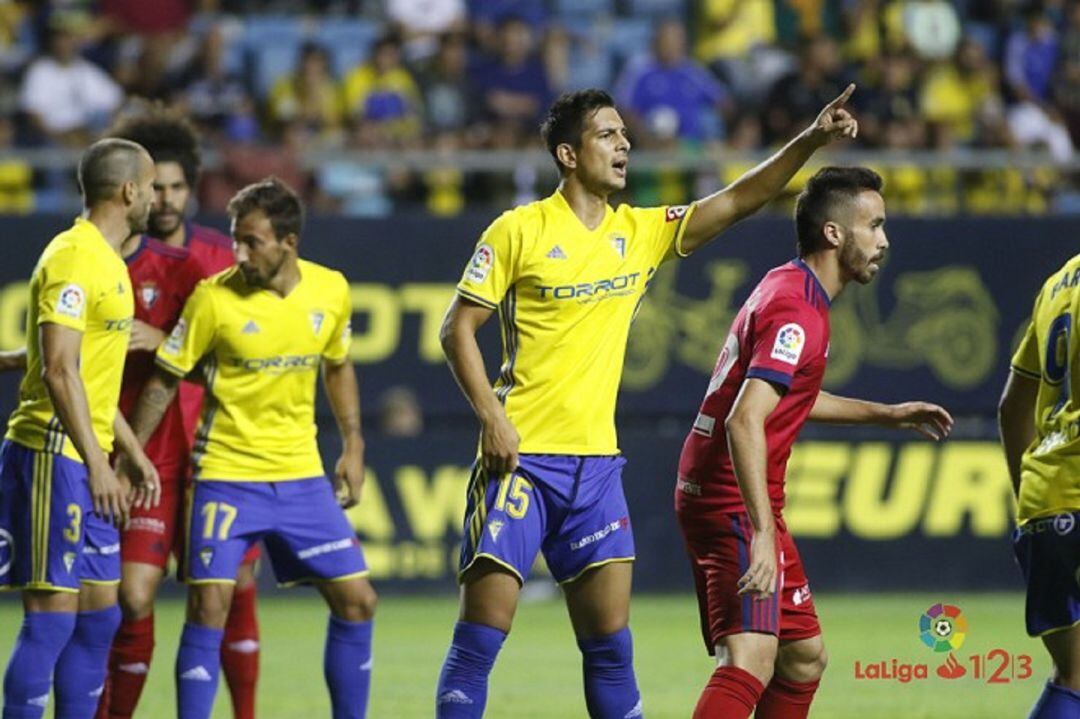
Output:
x,y
871,509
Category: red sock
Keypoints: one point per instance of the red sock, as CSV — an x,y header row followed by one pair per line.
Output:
x,y
129,664
730,694
785,699
240,652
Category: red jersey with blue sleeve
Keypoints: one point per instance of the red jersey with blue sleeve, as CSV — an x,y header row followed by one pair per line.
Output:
x,y
780,335
162,277
213,251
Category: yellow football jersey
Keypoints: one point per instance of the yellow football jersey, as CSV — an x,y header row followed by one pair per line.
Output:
x,y
1050,353
80,282
566,296
260,355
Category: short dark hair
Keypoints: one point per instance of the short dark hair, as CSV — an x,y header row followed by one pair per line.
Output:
x,y
104,168
167,135
826,191
565,121
276,200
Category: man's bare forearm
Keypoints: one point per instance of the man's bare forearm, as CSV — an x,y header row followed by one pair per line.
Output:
x,y
344,395
833,409
749,457
1016,422
157,394
467,365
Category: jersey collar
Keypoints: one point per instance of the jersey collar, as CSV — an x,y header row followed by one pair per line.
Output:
x,y
560,201
798,262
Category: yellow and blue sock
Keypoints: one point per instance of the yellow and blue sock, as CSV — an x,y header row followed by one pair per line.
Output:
x,y
198,664
462,691
41,640
347,666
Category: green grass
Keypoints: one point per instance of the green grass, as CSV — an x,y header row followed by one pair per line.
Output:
x,y
538,674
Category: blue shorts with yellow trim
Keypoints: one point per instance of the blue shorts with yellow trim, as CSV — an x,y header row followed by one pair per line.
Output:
x,y
1048,551
50,538
305,532
571,508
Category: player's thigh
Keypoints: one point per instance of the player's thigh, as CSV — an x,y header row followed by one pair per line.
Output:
x,y
753,652
489,594
352,599
245,575
1064,648
139,583
802,660
94,596
40,600
599,600
99,572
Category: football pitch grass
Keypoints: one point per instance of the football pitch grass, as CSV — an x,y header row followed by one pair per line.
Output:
x,y
539,675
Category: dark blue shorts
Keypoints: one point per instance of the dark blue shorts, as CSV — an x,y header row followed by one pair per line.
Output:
x,y
568,507
1048,550
50,538
304,531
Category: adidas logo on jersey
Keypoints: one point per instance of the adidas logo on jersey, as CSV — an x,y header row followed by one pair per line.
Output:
x,y
136,668
455,696
556,253
197,674
250,328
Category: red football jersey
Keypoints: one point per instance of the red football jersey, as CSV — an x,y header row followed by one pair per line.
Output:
x,y
162,277
213,251
781,335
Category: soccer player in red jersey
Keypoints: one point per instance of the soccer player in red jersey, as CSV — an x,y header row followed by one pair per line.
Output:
x,y
757,614
164,269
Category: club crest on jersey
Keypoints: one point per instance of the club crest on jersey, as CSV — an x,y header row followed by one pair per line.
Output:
x,y
481,263
316,321
495,526
619,243
789,343
148,294
206,555
69,561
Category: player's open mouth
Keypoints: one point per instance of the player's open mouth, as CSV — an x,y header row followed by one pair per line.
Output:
x,y
620,167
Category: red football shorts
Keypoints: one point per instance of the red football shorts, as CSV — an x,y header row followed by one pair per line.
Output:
x,y
153,534
719,548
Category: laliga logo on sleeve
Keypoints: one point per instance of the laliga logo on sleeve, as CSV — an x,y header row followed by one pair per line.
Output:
x,y
71,302
789,343
480,265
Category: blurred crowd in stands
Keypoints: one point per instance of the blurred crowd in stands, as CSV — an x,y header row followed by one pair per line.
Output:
x,y
268,81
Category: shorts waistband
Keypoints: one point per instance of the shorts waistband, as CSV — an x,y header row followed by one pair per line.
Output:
x,y
1061,523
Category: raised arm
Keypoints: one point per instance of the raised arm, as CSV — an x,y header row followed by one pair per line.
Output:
x,y
719,211
60,347
929,420
747,443
339,379
13,360
1016,421
499,439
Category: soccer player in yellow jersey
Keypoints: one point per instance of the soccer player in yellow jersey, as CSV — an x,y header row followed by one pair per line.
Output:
x,y
260,333
566,275
56,486
1039,418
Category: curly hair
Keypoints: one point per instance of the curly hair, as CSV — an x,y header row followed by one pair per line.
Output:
x,y
167,135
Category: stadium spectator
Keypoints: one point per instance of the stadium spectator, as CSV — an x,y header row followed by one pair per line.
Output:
x,y
382,93
486,15
64,96
890,103
399,413
956,94
1066,85
737,40
16,175
421,23
931,28
796,98
214,96
511,86
309,96
444,86
667,94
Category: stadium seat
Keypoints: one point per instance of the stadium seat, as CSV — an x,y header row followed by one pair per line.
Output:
x,y
348,41
593,65
640,8
270,62
628,37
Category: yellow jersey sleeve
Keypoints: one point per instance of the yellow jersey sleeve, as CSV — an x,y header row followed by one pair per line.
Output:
x,y
663,228
1025,360
494,264
67,286
192,336
337,350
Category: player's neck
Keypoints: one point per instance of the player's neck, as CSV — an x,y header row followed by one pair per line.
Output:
x,y
111,223
177,237
131,244
286,279
589,207
827,271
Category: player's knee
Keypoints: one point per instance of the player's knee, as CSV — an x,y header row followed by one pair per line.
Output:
x,y
208,606
354,602
136,600
757,658
803,661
